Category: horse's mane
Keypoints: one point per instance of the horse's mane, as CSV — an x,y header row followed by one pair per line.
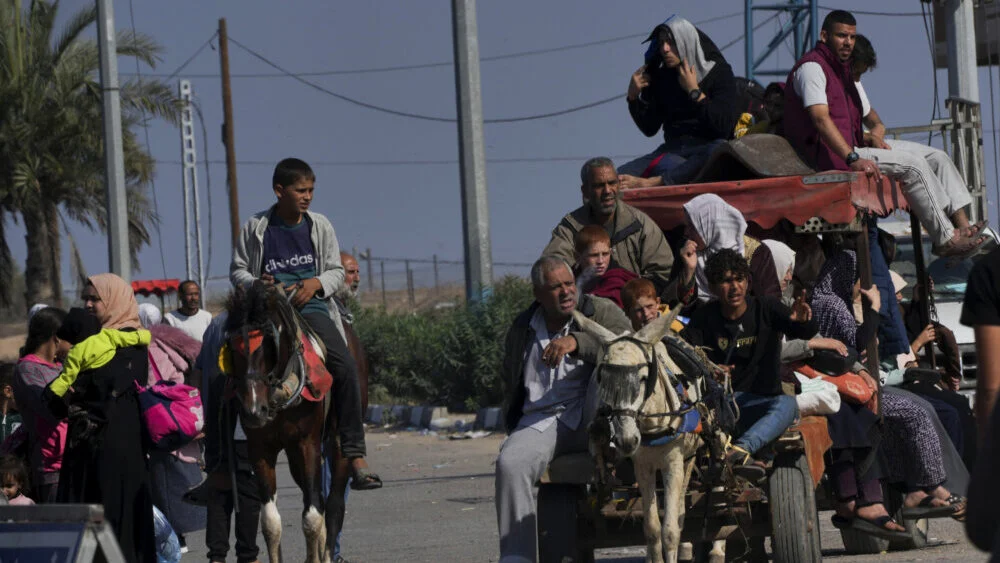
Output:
x,y
255,306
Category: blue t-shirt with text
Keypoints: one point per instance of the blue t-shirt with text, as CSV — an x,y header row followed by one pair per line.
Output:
x,y
290,257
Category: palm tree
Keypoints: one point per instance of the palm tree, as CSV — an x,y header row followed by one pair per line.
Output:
x,y
51,137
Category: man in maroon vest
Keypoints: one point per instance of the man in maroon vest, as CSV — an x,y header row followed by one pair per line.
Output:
x,y
823,121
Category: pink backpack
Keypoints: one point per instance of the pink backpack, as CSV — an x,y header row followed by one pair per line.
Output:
x,y
171,412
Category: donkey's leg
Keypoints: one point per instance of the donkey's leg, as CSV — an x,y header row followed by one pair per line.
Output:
x,y
264,460
305,465
676,472
645,476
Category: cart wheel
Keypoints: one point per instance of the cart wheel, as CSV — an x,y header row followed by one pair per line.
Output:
x,y
795,535
562,526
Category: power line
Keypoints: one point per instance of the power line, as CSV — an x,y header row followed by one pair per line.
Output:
x,y
189,59
419,116
145,128
872,13
512,160
755,28
418,66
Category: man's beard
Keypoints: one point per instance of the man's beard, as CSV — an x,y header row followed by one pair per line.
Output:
x,y
345,294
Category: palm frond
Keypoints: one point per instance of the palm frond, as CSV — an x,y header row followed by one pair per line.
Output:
x,y
77,24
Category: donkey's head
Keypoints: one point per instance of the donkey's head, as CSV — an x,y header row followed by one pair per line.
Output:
x,y
261,345
627,364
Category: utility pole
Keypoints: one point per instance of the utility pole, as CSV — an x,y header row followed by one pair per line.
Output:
x,y
189,185
471,152
119,259
963,83
228,135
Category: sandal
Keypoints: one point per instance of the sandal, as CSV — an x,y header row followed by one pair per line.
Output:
x,y
875,527
925,509
364,480
959,503
744,465
960,246
973,229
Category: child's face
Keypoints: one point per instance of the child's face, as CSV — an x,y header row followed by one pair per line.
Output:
x,y
62,348
598,257
296,197
8,396
11,488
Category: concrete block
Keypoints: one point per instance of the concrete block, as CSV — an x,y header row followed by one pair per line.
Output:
x,y
400,414
488,419
374,415
416,416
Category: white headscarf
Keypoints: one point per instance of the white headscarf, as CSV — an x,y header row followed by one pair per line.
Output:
x,y
784,260
720,226
34,309
689,46
149,315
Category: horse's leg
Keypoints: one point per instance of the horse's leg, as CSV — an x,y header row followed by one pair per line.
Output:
x,y
645,476
306,468
335,503
265,459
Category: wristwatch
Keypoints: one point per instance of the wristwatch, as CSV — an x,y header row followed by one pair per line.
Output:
x,y
852,157
694,94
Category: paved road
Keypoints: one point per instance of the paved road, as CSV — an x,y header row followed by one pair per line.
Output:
x,y
437,505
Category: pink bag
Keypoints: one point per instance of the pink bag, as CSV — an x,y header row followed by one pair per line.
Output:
x,y
171,412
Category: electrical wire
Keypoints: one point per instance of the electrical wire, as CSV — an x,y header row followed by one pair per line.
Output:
x,y
418,66
743,35
189,59
145,129
873,13
419,116
407,162
928,31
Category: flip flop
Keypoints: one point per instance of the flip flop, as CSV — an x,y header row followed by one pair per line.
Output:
x,y
973,229
926,510
364,480
874,527
962,247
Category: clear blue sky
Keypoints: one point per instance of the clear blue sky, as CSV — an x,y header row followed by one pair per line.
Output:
x,y
412,210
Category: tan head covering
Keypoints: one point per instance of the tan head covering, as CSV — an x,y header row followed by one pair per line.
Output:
x,y
121,308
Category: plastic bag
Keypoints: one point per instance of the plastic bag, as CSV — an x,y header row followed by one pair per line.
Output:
x,y
168,547
818,397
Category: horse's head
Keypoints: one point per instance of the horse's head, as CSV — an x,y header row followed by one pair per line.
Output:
x,y
625,367
261,343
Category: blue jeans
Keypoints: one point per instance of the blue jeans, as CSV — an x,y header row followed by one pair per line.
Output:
x,y
682,160
763,418
326,483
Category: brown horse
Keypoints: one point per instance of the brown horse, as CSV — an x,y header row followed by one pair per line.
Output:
x,y
281,408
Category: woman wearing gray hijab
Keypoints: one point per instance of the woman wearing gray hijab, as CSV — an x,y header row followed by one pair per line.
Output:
x,y
687,89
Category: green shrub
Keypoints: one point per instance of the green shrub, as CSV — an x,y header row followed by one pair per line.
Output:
x,y
447,357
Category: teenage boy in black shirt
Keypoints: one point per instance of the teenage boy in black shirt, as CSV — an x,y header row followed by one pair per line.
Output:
x,y
743,334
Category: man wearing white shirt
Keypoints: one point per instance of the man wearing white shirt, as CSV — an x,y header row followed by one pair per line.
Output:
x,y
190,318
823,116
549,397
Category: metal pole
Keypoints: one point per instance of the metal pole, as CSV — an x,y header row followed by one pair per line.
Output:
x,y
960,25
119,260
381,266
924,281
435,273
748,38
187,167
371,279
472,152
228,134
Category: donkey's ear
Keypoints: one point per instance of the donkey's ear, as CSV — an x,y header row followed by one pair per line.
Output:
x,y
590,327
657,329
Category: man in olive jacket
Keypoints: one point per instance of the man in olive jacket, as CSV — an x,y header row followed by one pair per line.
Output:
x,y
637,243
549,396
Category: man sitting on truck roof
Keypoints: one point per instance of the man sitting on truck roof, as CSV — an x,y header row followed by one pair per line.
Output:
x,y
823,121
950,194
637,243
686,88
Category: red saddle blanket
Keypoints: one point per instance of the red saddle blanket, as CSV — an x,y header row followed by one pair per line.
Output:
x,y
319,379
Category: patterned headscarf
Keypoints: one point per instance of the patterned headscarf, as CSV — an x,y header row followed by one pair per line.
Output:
x,y
121,310
833,297
720,226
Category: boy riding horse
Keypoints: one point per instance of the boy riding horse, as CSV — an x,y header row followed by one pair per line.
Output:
x,y
297,248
